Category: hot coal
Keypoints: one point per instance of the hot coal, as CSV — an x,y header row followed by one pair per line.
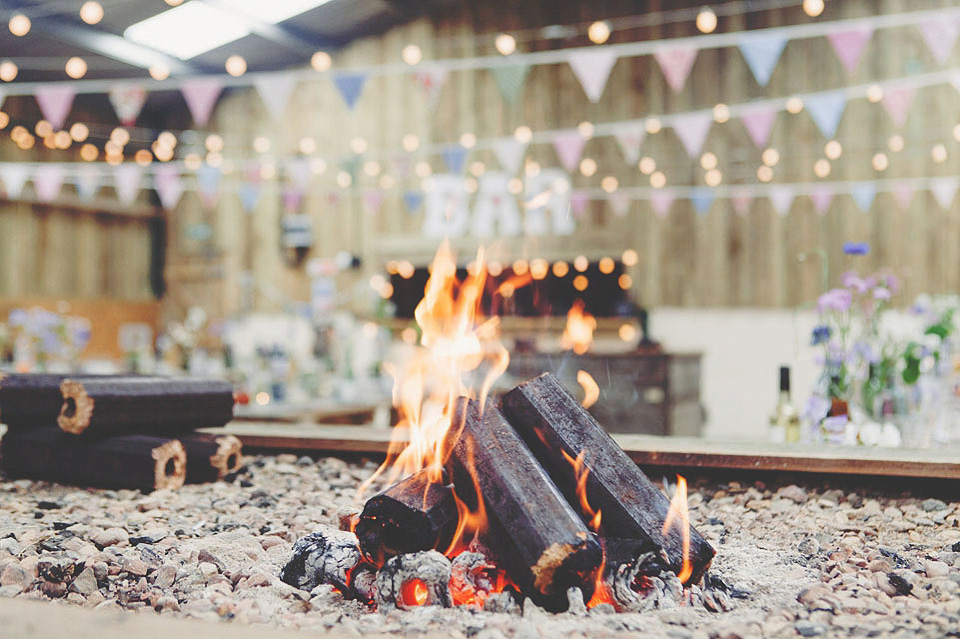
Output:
x,y
329,556
415,579
645,583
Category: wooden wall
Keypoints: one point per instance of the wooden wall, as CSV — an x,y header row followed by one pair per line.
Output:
x,y
716,260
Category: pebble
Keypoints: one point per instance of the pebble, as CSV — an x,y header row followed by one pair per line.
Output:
x,y
794,493
85,584
931,505
110,537
809,628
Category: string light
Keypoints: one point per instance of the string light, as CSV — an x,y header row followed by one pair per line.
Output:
x,y
706,20
939,153
167,139
321,61
193,161
874,93
50,142
708,161
539,268
531,168
411,54
120,135
520,267
713,177
18,132
318,166
794,104
495,268
307,145
386,181
26,142
821,168
371,168
76,68
4,120
143,157
580,282
721,113
19,25
609,184
8,71
268,171
468,140
606,265
91,12
560,269
599,32
505,43
833,150
410,142
580,263
629,258
261,144
586,129
422,169
813,8
658,180
770,157
627,332
588,166
647,165
653,125
213,143
236,65
358,145
43,128
62,140
880,162
406,269
895,143
764,173
956,133
159,72
89,152
515,186
162,153
625,281
78,132
477,169
344,180
523,134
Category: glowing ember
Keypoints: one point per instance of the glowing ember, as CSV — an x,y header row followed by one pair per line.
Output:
x,y
578,334
678,513
414,592
590,389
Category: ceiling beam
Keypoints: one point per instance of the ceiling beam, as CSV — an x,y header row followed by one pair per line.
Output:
x,y
284,35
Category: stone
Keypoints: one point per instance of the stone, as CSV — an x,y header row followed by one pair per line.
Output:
x,y
931,505
208,569
936,568
165,576
809,629
809,546
14,575
794,493
85,584
110,537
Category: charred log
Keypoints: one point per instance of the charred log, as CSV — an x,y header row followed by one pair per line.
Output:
x,y
211,457
415,579
329,556
541,541
412,515
123,405
131,461
33,400
553,424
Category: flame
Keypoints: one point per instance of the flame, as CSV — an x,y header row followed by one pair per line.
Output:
x,y
578,334
510,286
678,512
590,389
414,592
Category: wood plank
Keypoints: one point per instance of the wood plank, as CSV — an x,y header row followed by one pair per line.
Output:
x,y
646,450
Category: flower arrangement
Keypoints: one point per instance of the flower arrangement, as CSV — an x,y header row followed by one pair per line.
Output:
x,y
43,340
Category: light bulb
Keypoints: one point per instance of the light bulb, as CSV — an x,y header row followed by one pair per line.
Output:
x,y
76,68
321,61
19,24
706,20
91,12
505,43
599,32
236,65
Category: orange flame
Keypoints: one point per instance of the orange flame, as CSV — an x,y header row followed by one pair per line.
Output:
x,y
510,286
678,512
590,389
578,333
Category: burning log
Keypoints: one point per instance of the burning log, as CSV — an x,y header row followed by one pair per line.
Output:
x,y
130,404
330,556
130,461
554,424
412,515
540,540
211,457
413,580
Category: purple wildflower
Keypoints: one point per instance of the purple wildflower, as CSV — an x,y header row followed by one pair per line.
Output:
x,y
820,335
816,408
837,299
881,293
856,248
854,282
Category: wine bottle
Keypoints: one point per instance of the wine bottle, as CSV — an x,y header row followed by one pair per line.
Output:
x,y
785,421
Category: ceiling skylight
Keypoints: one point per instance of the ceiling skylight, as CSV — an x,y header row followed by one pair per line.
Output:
x,y
196,27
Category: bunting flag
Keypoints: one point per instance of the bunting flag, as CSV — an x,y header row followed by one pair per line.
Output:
x,y
903,193
849,46
168,184
826,109
292,197
249,191
762,52
578,202
741,200
208,185
47,181
863,194
897,102
298,171
431,80
692,129
55,101
201,95
675,63
275,90
127,101
702,198
350,86
126,181
660,201
569,147
412,201
14,176
759,122
943,190
88,182
629,138
619,202
940,36
455,157
592,66
781,197
401,163
373,200
510,152
821,196
510,80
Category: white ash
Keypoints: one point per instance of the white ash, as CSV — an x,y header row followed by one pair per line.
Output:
x,y
816,560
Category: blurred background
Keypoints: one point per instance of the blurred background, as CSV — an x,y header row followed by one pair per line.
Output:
x,y
674,200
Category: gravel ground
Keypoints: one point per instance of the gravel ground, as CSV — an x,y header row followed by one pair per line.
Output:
x,y
815,561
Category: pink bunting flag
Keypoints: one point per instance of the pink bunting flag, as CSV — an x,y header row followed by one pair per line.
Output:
x,y
55,101
849,45
569,147
431,80
201,95
578,202
592,66
781,197
127,101
620,203
126,181
897,103
692,129
903,193
373,200
741,200
821,197
759,122
676,63
943,190
660,201
275,90
168,183
629,138
940,36
47,181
